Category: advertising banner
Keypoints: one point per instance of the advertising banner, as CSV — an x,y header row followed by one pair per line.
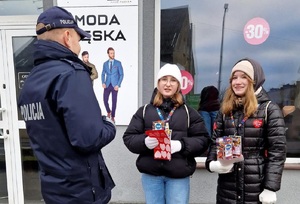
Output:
x,y
112,24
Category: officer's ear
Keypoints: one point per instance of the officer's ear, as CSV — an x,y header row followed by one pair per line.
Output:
x,y
66,38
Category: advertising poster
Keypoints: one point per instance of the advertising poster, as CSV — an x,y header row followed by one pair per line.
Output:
x,y
112,24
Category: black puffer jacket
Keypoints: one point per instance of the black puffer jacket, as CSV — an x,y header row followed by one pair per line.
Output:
x,y
264,150
194,139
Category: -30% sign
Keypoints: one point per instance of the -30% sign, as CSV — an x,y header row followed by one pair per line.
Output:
x,y
187,82
256,31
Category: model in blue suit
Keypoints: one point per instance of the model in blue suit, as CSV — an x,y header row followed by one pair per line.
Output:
x,y
112,77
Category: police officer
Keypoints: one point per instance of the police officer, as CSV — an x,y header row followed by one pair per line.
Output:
x,y
62,115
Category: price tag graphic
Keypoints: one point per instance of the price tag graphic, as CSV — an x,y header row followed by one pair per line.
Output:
x,y
256,31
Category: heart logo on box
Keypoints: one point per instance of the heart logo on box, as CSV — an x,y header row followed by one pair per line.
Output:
x,y
162,146
157,154
164,154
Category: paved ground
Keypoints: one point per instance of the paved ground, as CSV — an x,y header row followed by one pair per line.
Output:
x,y
32,188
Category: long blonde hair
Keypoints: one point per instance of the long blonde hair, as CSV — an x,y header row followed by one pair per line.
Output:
x,y
231,101
177,99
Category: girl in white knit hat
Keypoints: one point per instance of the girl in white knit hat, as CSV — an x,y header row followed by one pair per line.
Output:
x,y
166,167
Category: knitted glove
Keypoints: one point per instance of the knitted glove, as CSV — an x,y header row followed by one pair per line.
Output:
x,y
175,146
151,142
225,162
224,166
217,166
268,197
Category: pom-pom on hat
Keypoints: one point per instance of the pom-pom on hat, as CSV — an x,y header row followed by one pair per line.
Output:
x,y
244,66
170,70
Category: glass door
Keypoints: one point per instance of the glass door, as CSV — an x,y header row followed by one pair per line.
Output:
x,y
3,177
21,166
6,179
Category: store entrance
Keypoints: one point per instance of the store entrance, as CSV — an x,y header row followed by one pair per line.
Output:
x,y
19,181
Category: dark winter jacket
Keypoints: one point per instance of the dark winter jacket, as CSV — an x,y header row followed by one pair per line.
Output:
x,y
209,99
263,148
65,127
194,139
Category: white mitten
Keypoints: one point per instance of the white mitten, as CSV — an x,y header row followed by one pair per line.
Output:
x,y
175,146
217,166
224,166
268,197
151,142
226,162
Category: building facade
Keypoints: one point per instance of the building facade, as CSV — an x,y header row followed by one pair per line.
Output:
x,y
168,31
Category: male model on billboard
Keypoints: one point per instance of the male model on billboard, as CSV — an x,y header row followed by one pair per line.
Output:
x,y
85,59
112,76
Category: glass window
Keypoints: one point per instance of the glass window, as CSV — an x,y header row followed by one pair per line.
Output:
x,y
21,7
207,37
23,61
23,48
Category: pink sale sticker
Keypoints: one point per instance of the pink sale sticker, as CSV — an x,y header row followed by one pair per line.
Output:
x,y
187,82
256,31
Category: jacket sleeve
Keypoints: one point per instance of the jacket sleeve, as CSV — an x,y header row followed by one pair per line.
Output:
x,y
121,73
198,139
276,148
80,112
134,136
103,74
217,132
94,74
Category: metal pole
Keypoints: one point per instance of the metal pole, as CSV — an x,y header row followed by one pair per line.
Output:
x,y
221,52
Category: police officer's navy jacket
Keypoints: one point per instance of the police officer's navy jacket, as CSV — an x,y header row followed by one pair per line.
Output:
x,y
65,127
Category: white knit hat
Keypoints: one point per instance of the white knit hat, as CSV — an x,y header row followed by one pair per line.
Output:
x,y
170,70
244,66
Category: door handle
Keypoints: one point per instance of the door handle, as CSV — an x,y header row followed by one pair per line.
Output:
x,y
2,136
